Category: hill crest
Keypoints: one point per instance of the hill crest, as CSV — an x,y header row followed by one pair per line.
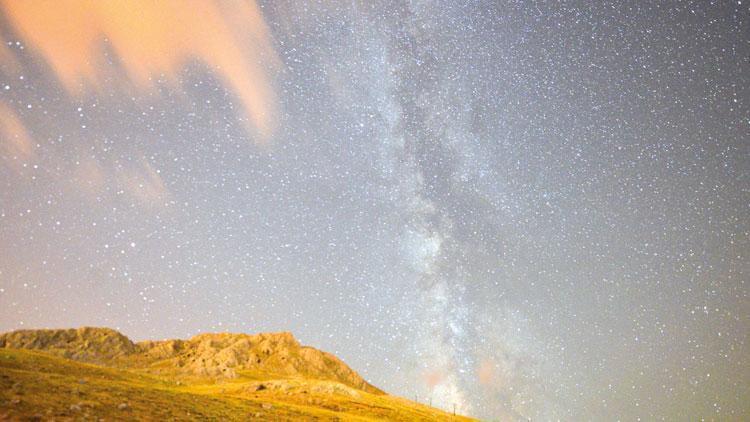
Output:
x,y
215,355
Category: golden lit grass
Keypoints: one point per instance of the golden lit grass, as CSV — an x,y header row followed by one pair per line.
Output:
x,y
39,384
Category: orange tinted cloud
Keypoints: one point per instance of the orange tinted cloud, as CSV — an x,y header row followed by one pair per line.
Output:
x,y
8,61
15,142
486,372
153,40
144,183
433,378
89,176
137,181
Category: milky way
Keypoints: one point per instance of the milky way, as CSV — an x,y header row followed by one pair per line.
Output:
x,y
526,210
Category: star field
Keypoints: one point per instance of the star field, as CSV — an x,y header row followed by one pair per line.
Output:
x,y
531,210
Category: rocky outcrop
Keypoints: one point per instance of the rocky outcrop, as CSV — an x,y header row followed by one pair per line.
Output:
x,y
224,355
88,344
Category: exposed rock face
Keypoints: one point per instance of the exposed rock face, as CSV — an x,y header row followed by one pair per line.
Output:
x,y
97,345
210,355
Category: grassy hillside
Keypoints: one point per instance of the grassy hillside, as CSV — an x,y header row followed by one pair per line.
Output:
x,y
217,355
42,385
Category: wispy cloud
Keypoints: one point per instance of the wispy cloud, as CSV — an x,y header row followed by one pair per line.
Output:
x,y
16,145
153,41
139,182
8,62
143,183
89,176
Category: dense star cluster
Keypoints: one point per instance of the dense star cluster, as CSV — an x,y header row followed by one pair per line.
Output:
x,y
523,209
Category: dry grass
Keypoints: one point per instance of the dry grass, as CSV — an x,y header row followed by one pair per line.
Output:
x,y
42,386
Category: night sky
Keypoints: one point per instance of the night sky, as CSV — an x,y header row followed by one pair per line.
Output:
x,y
527,209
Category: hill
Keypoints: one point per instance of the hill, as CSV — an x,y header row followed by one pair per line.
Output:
x,y
100,373
205,355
